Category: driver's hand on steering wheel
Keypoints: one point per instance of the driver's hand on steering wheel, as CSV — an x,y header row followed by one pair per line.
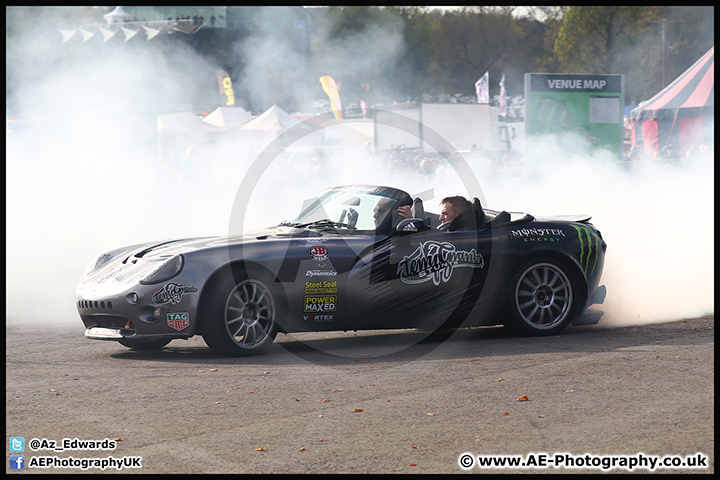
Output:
x,y
352,217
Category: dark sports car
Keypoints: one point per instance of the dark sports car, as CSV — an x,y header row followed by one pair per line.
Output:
x,y
348,261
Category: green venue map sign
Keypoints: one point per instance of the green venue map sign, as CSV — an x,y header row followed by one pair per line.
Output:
x,y
590,106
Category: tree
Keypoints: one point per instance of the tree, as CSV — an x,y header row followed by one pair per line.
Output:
x,y
471,42
594,39
359,47
544,24
689,33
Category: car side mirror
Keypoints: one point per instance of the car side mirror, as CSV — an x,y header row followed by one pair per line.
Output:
x,y
411,225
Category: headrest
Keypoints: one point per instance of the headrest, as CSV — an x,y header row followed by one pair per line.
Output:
x,y
479,213
417,209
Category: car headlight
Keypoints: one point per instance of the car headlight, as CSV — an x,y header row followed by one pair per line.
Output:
x,y
165,271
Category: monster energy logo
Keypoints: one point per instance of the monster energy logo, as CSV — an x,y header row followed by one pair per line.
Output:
x,y
589,247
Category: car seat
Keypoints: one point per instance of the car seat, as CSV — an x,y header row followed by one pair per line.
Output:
x,y
479,213
417,209
464,221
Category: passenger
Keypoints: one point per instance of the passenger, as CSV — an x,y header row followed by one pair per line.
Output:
x,y
450,208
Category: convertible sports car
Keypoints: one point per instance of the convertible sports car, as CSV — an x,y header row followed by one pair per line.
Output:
x,y
348,261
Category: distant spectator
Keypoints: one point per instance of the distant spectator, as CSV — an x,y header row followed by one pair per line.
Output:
x,y
637,152
425,167
212,20
473,150
668,151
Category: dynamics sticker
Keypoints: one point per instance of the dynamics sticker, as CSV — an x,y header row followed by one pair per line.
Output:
x,y
436,261
320,273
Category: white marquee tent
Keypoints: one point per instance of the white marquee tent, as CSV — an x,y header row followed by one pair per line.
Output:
x,y
228,117
117,16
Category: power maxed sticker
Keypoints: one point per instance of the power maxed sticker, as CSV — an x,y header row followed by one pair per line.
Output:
x,y
320,303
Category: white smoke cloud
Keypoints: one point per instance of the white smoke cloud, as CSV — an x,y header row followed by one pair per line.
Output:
x,y
83,177
656,217
82,169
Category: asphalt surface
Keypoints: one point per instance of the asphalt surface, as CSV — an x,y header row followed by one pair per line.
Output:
x,y
367,402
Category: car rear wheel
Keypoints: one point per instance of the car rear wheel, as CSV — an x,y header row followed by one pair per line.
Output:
x,y
145,343
241,316
542,299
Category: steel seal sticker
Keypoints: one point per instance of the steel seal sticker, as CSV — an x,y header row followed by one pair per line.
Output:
x,y
173,292
321,287
589,248
436,261
178,321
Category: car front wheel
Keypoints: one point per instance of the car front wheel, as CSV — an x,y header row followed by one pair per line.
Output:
x,y
542,299
241,316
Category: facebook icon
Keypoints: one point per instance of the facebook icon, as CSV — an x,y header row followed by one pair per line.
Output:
x,y
17,462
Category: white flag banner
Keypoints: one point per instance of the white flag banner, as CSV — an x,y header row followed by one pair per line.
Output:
x,y
129,33
151,32
67,34
107,34
86,35
482,89
503,97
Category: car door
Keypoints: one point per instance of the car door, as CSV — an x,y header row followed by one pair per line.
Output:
x,y
418,279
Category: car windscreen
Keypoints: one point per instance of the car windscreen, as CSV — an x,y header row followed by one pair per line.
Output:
x,y
352,208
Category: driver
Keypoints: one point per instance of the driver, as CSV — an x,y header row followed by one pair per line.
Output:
x,y
381,210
